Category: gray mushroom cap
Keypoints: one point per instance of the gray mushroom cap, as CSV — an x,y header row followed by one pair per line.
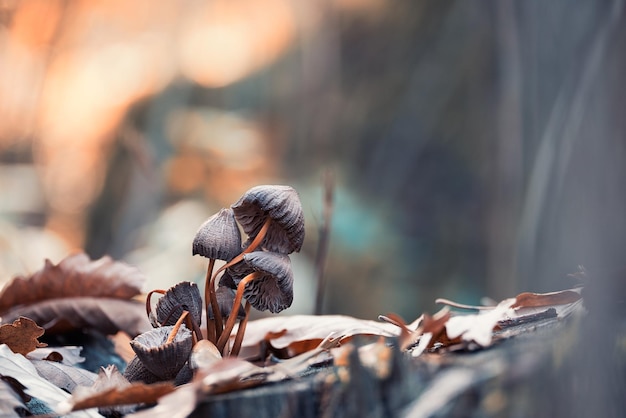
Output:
x,y
184,296
163,359
272,291
225,299
282,204
219,237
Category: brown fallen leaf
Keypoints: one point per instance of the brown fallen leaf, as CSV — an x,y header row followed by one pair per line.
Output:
x,y
535,300
21,336
136,393
74,276
112,389
107,315
298,333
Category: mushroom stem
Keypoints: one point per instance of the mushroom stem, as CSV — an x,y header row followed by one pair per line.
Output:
x,y
192,325
230,323
176,327
209,297
240,331
148,299
253,246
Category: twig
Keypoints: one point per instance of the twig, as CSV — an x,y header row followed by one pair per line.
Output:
x,y
322,245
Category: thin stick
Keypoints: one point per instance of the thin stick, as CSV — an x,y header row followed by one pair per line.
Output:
x,y
149,297
240,331
197,333
233,313
453,304
176,327
210,297
322,244
253,246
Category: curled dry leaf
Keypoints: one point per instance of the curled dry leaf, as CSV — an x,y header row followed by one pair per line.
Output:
x,y
74,276
104,314
479,327
78,293
21,369
21,336
300,333
535,300
112,389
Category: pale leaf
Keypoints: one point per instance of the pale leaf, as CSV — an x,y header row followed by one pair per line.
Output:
x,y
479,327
21,369
10,399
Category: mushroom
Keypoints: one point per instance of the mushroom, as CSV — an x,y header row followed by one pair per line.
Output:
x,y
135,371
272,217
225,298
267,286
217,239
164,351
184,296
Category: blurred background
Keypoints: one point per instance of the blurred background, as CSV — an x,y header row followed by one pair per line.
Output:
x,y
476,148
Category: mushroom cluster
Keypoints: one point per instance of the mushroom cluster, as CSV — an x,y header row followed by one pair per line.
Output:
x,y
257,270
163,353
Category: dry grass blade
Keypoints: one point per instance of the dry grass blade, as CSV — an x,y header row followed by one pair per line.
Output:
x,y
535,300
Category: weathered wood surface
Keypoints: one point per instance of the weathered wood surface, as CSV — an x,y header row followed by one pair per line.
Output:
x,y
547,368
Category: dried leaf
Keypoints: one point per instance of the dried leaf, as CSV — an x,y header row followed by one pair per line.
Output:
x,y
104,314
112,389
68,355
12,397
407,335
534,300
178,404
479,327
74,276
298,331
21,369
133,394
434,332
64,376
21,336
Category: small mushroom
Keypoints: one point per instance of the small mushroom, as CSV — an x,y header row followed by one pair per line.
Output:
x,y
136,372
159,355
225,299
217,239
272,217
277,206
204,354
184,296
272,290
268,286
